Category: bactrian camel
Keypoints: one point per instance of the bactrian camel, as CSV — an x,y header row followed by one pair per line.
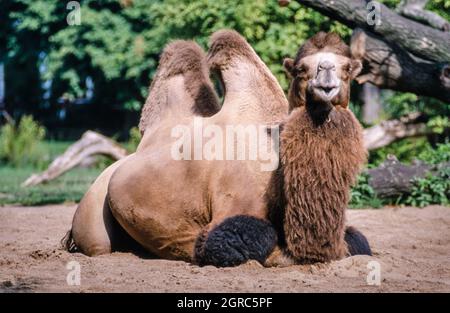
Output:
x,y
225,212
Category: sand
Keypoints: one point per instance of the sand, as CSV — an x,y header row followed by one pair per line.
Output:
x,y
411,246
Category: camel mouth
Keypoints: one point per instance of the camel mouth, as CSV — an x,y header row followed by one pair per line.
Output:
x,y
326,93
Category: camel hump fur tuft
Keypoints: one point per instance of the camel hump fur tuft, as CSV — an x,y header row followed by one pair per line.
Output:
x,y
182,56
196,96
226,45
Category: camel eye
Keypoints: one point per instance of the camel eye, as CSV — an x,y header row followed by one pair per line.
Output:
x,y
300,71
347,67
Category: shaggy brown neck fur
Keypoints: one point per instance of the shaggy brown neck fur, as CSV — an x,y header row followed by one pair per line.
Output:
x,y
319,163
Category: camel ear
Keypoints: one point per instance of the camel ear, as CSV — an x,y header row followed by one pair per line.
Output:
x,y
356,68
288,64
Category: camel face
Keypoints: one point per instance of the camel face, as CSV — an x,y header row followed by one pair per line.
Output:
x,y
322,72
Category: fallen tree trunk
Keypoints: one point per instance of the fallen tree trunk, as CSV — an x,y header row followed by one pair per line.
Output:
x,y
392,178
90,144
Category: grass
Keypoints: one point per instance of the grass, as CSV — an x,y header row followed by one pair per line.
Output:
x,y
70,187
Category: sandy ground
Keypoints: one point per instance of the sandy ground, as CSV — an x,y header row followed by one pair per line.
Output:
x,y
411,245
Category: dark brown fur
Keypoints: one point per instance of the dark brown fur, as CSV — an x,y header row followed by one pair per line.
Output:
x,y
188,59
326,42
319,163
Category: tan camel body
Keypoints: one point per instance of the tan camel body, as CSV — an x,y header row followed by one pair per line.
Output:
x,y
167,204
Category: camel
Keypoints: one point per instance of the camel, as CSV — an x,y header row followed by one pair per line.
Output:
x,y
181,87
321,154
225,212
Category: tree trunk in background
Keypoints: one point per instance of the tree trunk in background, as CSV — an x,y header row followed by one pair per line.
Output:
x,y
371,110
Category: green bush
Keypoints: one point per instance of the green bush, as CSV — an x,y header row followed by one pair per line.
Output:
x,y
435,156
22,145
363,195
405,150
133,141
433,189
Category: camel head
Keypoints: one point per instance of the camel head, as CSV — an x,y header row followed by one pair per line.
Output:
x,y
321,75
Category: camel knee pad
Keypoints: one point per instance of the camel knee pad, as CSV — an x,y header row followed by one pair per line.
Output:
x,y
235,241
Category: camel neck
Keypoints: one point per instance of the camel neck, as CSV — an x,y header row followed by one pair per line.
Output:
x,y
319,164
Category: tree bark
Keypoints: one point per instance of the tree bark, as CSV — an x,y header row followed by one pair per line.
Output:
x,y
90,144
388,66
415,9
421,40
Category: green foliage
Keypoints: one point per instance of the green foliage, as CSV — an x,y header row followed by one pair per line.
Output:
x,y
134,139
363,195
397,104
118,42
435,156
438,124
433,189
20,145
405,150
68,188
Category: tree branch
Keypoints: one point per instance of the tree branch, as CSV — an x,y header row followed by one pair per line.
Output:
x,y
421,40
415,9
383,134
388,66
